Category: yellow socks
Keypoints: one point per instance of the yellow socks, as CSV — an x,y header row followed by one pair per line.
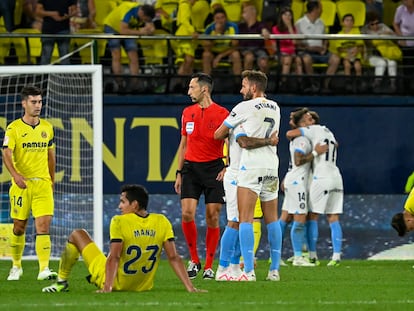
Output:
x,y
17,243
68,258
43,250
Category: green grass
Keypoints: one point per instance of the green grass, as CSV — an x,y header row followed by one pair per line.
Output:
x,y
355,285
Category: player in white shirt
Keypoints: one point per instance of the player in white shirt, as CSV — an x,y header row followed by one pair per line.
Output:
x,y
229,261
326,189
315,50
258,170
296,185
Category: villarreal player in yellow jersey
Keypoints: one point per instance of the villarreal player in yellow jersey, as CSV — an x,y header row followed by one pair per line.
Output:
x,y
136,241
403,222
29,156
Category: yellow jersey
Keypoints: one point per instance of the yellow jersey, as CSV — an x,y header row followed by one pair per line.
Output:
x,y
30,145
409,203
126,12
170,7
191,17
221,45
349,43
143,239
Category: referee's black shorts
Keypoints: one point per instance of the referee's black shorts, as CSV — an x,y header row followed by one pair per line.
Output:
x,y
200,177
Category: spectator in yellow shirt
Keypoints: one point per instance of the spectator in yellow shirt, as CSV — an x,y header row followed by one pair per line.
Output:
x,y
350,51
129,18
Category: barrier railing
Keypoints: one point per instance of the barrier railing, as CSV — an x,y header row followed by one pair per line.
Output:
x,y
170,59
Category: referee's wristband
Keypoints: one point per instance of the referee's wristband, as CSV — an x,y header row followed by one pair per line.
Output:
x,y
177,172
314,153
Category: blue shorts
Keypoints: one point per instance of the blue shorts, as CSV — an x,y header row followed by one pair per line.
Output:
x,y
115,44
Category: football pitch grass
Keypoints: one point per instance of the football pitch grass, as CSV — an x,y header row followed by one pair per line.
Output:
x,y
354,285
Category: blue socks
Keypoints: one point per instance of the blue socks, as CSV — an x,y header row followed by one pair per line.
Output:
x,y
227,245
274,235
235,259
246,245
283,225
297,235
312,234
336,236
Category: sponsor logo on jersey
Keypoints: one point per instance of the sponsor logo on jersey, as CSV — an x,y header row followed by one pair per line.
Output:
x,y
34,144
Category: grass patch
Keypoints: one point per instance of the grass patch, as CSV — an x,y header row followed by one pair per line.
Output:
x,y
356,284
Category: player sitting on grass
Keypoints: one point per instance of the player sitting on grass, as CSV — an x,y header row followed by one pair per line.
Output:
x,y
136,241
404,222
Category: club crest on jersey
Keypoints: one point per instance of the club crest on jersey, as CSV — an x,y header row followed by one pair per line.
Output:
x,y
189,127
44,135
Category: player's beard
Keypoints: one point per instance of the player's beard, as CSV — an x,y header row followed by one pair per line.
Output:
x,y
248,95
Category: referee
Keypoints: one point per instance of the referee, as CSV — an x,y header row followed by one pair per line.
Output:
x,y
200,170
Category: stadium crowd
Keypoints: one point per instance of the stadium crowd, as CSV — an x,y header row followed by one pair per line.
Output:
x,y
312,60
304,66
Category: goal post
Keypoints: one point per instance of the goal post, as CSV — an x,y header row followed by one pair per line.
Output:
x,y
73,103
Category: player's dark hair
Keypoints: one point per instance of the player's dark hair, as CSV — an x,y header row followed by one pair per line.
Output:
x,y
312,5
298,109
315,117
371,16
148,10
298,115
30,90
203,79
136,193
256,77
398,223
219,10
348,15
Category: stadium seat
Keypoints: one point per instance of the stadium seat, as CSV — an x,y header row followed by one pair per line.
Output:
x,y
328,14
298,8
154,51
355,7
18,12
25,56
389,8
4,43
102,10
21,46
85,53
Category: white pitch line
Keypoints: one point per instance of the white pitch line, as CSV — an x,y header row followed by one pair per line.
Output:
x,y
197,304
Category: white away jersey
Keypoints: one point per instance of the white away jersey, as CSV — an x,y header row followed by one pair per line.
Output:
x,y
258,117
302,145
323,163
234,149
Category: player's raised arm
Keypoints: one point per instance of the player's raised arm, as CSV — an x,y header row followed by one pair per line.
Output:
x,y
293,133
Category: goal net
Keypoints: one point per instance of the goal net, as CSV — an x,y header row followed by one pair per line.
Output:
x,y
72,103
